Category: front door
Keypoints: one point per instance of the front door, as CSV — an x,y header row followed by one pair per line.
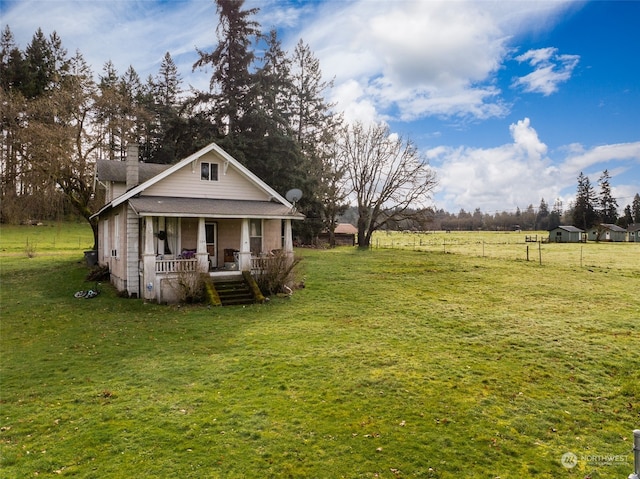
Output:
x,y
211,231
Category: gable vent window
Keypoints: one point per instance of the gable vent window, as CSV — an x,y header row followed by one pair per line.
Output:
x,y
209,171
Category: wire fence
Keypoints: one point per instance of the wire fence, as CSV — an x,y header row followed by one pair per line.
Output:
x,y
530,247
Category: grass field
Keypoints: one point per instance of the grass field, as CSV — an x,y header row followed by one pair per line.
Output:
x,y
513,246
390,363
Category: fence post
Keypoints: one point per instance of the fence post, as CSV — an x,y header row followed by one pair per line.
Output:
x,y
527,253
540,252
636,455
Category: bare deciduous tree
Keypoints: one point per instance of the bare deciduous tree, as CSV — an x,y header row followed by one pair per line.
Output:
x,y
388,178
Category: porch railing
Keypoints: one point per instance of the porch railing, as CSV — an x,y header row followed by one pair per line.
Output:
x,y
176,265
261,263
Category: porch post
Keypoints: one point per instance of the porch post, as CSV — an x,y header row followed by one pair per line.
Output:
x,y
201,248
149,262
288,238
161,227
244,257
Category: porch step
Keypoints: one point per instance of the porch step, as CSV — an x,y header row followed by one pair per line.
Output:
x,y
234,291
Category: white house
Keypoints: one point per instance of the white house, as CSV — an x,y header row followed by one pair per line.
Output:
x,y
206,213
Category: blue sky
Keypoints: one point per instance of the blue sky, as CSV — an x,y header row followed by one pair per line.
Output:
x,y
508,100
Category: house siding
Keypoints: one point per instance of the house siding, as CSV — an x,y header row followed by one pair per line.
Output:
x,y
132,252
115,190
186,183
114,239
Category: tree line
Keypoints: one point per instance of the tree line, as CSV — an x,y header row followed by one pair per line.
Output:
x,y
589,209
268,111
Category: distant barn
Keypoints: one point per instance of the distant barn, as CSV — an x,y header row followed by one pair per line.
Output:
x,y
345,235
566,234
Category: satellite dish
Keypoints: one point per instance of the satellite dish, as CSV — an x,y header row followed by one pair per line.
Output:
x,y
293,195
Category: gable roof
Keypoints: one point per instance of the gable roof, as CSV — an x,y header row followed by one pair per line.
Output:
x,y
182,163
346,228
116,171
611,227
170,169
569,229
634,227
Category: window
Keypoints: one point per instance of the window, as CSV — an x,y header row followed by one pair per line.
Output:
x,y
116,236
105,239
208,171
255,237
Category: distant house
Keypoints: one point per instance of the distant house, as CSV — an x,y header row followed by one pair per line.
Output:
x,y
566,234
205,214
633,232
607,232
344,235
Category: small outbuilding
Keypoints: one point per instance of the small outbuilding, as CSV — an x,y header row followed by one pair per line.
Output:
x,y
566,234
607,232
344,235
633,233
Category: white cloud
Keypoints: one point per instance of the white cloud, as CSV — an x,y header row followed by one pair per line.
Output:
x,y
126,32
550,69
411,59
521,173
416,59
578,159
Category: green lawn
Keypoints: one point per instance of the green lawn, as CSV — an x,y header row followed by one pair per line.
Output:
x,y
388,364
513,246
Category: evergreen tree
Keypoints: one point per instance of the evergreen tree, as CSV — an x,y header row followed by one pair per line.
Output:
x,y
316,128
13,67
542,219
167,86
608,210
635,208
627,218
109,114
166,129
134,114
584,211
231,86
268,145
40,63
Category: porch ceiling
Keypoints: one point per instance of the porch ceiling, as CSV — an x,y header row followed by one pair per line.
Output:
x,y
210,208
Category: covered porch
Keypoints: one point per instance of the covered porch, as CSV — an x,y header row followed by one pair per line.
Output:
x,y
221,241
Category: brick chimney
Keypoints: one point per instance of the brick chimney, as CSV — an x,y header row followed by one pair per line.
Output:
x,y
133,174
